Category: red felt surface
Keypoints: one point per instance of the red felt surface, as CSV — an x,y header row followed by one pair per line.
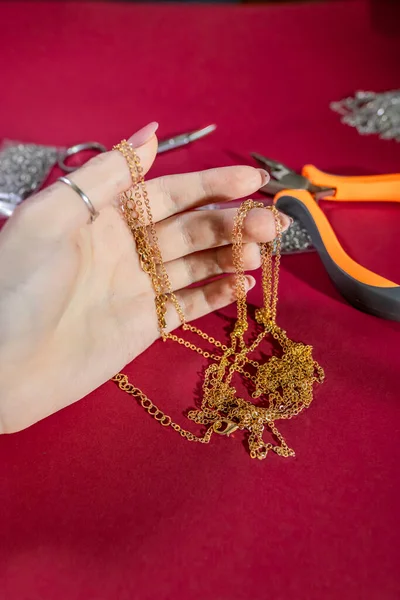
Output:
x,y
100,502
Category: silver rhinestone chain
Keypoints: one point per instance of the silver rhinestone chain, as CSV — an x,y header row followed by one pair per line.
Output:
x,y
371,113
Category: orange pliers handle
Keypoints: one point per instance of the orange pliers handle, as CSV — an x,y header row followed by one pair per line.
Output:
x,y
369,188
361,287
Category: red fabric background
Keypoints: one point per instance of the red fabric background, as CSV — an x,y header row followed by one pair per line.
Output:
x,y
99,501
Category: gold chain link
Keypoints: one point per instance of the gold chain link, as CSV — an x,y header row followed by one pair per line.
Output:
x,y
155,412
285,382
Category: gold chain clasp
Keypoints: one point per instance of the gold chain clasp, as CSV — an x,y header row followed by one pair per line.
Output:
x,y
225,427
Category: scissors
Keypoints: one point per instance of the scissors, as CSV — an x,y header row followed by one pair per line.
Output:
x,y
298,196
163,146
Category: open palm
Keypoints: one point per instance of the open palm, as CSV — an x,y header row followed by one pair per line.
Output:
x,y
75,306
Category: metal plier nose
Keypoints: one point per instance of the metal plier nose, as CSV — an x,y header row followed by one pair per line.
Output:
x,y
284,178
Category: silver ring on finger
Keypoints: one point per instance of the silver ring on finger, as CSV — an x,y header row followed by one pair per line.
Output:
x,y
93,212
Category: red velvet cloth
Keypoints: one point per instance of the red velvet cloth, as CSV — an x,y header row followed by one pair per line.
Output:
x,y
99,501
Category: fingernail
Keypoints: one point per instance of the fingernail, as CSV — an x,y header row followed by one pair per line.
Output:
x,y
250,282
143,135
285,220
265,177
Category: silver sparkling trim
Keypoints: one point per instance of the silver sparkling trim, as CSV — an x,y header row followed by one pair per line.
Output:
x,y
372,113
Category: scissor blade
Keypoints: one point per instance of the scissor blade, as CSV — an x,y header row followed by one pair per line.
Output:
x,y
199,133
184,138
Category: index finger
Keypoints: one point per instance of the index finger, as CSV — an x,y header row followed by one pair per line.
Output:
x,y
173,194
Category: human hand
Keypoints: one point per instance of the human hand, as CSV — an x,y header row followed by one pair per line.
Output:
x,y
75,305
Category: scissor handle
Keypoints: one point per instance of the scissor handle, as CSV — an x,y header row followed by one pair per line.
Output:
x,y
72,150
364,289
368,188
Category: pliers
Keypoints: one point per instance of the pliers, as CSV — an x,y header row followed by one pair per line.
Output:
x,y
298,196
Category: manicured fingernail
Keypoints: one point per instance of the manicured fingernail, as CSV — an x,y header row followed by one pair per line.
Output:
x,y
250,282
265,177
286,221
143,135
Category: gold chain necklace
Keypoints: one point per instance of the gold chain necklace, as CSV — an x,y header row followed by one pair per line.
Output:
x,y
284,383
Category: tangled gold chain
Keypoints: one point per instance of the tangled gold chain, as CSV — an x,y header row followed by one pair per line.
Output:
x,y
285,383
